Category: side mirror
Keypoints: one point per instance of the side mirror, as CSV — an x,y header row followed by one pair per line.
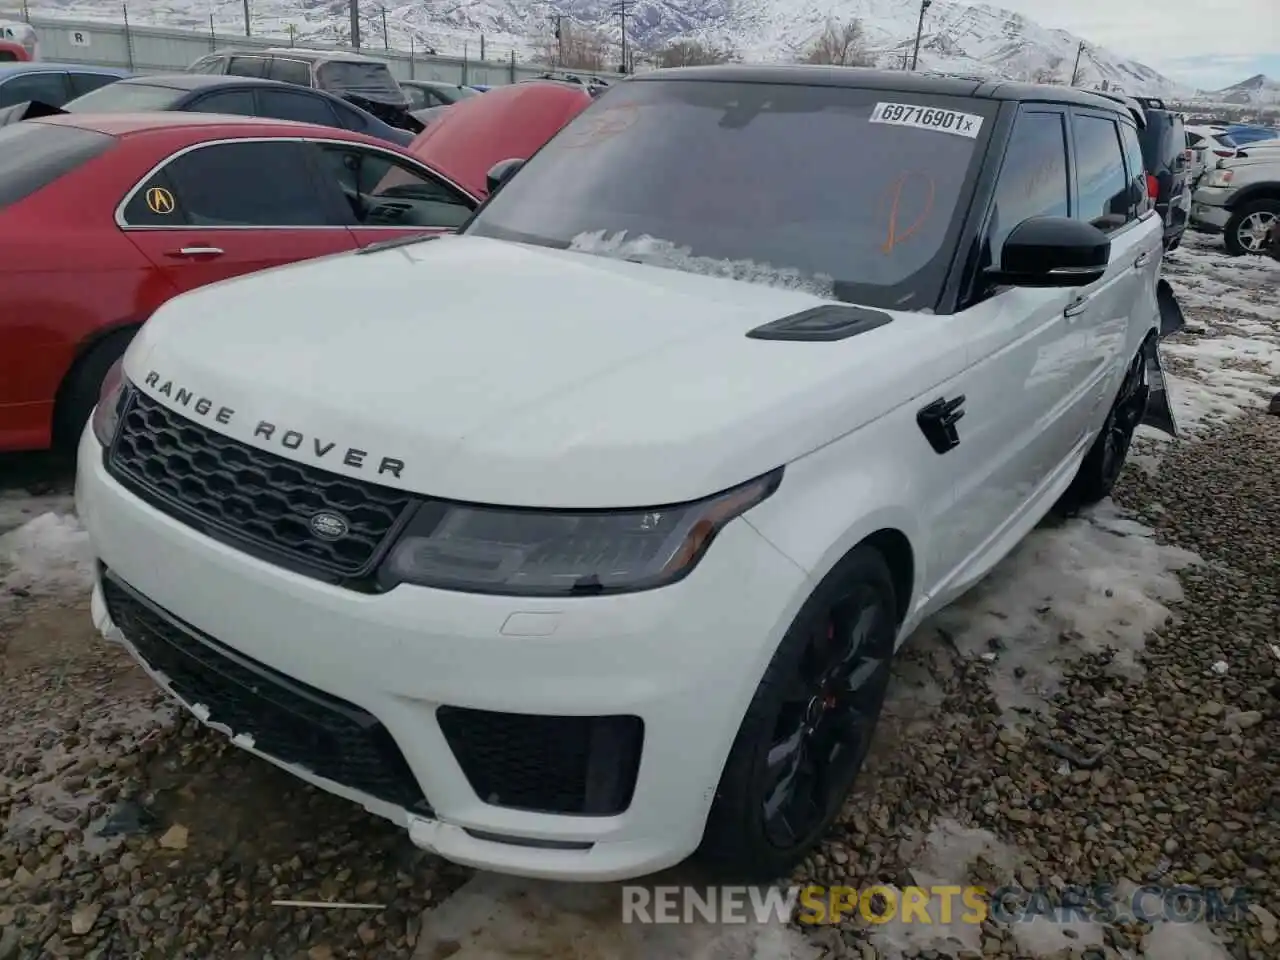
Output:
x,y
1052,252
501,172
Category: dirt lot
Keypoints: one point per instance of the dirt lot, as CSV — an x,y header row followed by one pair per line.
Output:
x,y
1102,710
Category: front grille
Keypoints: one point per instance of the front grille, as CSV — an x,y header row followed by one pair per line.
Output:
x,y
548,764
249,497
287,720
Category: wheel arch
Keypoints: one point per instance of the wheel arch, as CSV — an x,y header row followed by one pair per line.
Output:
x,y
84,349
1268,190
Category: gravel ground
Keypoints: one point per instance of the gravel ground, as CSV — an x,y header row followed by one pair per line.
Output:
x,y
1032,739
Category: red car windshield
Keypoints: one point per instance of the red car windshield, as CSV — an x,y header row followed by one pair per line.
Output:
x,y
848,193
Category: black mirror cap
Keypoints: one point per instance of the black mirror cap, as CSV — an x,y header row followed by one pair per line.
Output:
x,y
1052,252
501,172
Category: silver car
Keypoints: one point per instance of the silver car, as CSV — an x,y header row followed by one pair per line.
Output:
x,y
1240,198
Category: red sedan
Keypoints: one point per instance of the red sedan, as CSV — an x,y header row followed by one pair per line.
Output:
x,y
104,218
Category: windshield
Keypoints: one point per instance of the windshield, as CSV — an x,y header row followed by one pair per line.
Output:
x,y
125,97
373,81
851,194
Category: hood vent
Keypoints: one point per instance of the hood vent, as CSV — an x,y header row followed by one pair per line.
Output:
x,y
820,324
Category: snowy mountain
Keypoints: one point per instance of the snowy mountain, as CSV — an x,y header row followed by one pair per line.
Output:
x,y
958,37
1257,90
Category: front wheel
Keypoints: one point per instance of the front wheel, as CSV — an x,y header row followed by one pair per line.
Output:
x,y
1102,464
1248,228
806,733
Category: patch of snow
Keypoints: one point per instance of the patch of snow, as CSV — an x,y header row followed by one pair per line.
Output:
x,y
18,507
46,555
664,253
1099,581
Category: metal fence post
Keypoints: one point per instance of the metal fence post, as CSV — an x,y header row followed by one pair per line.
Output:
x,y
128,36
411,46
513,66
213,36
464,63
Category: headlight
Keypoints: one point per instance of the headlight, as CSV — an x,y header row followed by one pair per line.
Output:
x,y
1220,178
562,552
106,415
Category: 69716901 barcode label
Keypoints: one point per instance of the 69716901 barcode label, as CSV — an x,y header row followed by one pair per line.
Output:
x,y
927,118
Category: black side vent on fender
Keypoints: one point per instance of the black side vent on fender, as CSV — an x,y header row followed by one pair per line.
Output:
x,y
834,322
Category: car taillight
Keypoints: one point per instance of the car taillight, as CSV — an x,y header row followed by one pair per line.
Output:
x,y
1188,155
1224,153
1153,187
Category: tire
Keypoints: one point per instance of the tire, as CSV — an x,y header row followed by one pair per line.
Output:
x,y
80,388
853,611
1238,236
1101,467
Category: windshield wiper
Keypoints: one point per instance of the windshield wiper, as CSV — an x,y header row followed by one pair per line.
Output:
x,y
398,242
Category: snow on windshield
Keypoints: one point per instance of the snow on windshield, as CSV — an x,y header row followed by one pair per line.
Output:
x,y
663,253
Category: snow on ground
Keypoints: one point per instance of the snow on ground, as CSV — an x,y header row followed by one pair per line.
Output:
x,y
1095,582
1227,360
49,554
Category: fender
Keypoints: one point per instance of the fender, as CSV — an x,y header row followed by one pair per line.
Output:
x,y
1158,413
1171,319
1268,190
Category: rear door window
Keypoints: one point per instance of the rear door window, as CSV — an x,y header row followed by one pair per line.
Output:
x,y
34,155
1102,179
248,184
370,80
51,88
236,102
297,72
300,106
1134,167
247,66
126,97
82,83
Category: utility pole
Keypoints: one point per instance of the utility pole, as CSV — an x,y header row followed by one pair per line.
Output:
x,y
558,20
915,54
623,11
386,37
1075,71
355,24
246,17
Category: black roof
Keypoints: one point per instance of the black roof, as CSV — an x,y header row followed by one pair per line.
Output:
x,y
198,81
897,80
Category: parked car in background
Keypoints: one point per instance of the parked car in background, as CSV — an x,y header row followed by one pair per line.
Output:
x,y
52,84
511,122
239,96
1240,197
424,94
365,81
1246,133
103,217
584,540
1209,144
19,42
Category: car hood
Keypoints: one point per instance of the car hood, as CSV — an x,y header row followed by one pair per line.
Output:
x,y
526,376
511,122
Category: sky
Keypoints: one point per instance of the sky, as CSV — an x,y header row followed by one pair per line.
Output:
x,y
1204,43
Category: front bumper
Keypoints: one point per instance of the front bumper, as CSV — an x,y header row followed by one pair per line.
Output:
x,y
684,660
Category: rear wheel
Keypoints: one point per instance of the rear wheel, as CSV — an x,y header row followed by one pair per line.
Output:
x,y
806,733
1104,461
1248,228
80,388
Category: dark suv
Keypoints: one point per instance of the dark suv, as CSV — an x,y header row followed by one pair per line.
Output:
x,y
364,81
1167,160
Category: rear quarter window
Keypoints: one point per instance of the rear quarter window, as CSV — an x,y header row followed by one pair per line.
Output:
x,y
33,155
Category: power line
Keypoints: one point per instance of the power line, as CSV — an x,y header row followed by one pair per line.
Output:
x,y
915,55
622,10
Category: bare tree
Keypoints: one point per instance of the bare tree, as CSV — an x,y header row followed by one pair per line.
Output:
x,y
841,45
579,48
1046,75
690,53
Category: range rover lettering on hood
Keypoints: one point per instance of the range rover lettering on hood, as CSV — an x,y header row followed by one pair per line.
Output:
x,y
290,439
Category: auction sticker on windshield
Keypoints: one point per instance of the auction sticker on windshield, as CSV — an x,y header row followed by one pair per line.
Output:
x,y
927,118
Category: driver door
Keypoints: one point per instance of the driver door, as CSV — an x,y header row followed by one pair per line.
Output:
x,y
388,196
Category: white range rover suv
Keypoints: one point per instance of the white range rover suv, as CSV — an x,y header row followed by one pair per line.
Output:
x,y
583,540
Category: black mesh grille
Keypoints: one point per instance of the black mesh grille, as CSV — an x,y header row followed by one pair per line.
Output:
x,y
288,720
231,490
568,765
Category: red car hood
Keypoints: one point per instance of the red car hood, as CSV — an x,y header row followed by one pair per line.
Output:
x,y
504,123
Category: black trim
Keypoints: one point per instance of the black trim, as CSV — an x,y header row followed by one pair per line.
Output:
x,y
1267,190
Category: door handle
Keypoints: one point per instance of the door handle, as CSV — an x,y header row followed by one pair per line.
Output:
x,y
195,252
1143,259
1076,307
